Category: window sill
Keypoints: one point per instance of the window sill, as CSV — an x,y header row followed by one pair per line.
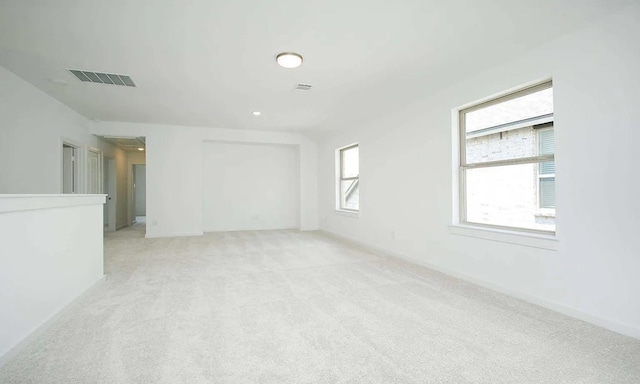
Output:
x,y
504,236
549,213
352,214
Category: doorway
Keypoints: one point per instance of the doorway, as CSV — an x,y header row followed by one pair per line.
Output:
x,y
123,198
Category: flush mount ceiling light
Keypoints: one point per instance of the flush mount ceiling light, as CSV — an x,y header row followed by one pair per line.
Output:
x,y
256,113
140,149
289,60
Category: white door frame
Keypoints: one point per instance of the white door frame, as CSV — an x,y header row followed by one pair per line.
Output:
x,y
79,165
100,169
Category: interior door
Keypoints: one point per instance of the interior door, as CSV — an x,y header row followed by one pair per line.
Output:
x,y
93,172
109,172
140,190
68,169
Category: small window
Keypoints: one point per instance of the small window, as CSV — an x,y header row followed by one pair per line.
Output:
x,y
507,167
348,178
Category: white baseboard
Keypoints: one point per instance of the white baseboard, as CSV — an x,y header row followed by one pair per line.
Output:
x,y
183,234
172,234
47,323
249,229
609,324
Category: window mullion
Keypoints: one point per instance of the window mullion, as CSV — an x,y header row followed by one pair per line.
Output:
x,y
510,96
462,132
499,163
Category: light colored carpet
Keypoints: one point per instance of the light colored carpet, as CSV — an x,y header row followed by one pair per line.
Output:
x,y
291,307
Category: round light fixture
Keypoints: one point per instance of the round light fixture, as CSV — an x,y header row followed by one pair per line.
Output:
x,y
289,60
140,149
256,113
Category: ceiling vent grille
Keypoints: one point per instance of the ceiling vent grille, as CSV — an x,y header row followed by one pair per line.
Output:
x,y
303,87
103,78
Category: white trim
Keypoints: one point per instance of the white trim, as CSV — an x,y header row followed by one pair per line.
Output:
x,y
460,167
352,214
530,122
612,325
526,239
504,93
14,203
39,330
100,169
170,234
79,163
214,230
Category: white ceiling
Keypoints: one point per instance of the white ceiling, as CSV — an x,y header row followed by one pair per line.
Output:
x,y
212,62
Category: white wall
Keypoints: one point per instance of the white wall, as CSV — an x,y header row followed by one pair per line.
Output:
x,y
33,126
406,181
174,172
250,186
50,253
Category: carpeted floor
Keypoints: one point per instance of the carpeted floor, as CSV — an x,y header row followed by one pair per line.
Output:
x,y
291,307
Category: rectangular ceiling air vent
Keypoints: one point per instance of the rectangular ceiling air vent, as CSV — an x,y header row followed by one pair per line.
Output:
x,y
302,87
103,78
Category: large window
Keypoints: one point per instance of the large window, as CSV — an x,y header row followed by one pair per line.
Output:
x,y
348,175
507,166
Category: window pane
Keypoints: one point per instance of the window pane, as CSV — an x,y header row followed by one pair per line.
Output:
x,y
547,192
547,146
350,162
525,107
548,168
513,144
546,142
350,194
505,196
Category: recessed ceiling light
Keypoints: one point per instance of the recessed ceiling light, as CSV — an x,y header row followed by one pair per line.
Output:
x,y
140,149
289,60
256,113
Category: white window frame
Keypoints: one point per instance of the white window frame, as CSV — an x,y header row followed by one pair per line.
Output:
x,y
463,166
340,178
